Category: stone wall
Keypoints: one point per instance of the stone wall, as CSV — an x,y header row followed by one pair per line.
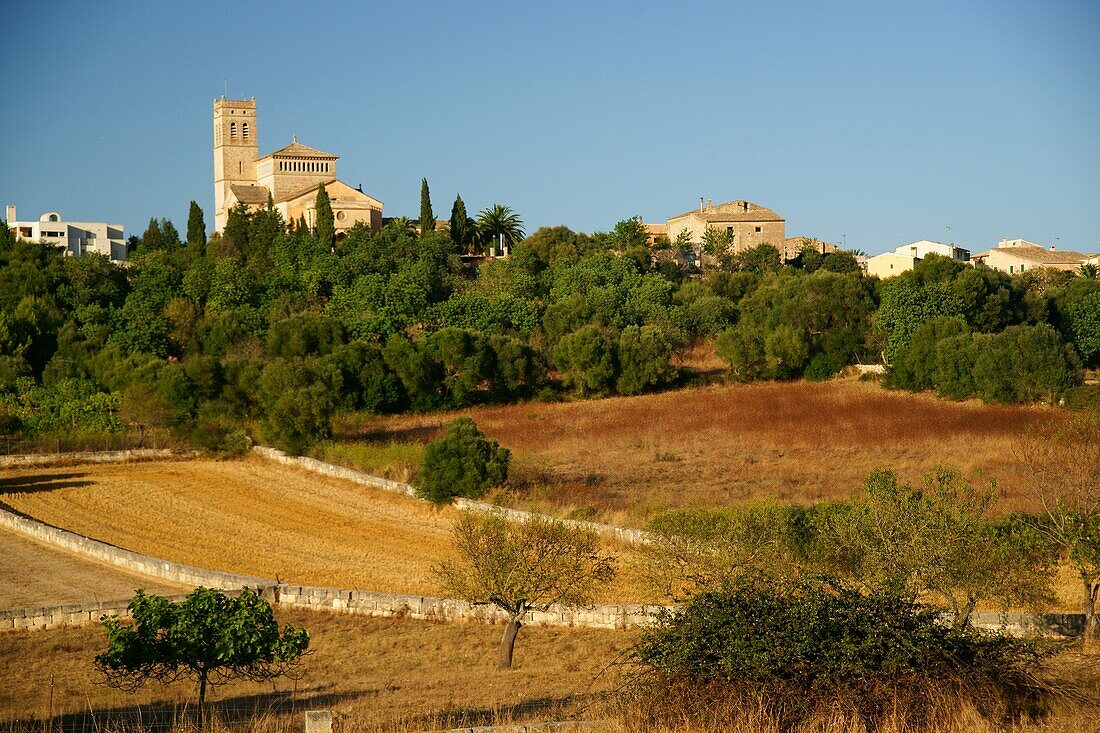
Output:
x,y
388,605
132,561
624,534
108,456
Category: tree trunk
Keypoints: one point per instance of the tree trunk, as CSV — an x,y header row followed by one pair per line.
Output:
x,y
508,643
1090,587
202,699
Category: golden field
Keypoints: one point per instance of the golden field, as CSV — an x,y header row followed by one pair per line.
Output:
x,y
375,671
623,459
256,517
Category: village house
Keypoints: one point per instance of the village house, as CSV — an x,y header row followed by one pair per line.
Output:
x,y
290,176
749,225
1019,255
905,257
76,238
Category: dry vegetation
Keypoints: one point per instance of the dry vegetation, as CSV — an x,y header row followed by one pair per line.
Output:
x,y
256,517
623,459
375,671
36,574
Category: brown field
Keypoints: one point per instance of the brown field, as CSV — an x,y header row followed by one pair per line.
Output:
x,y
256,517
623,459
36,574
372,670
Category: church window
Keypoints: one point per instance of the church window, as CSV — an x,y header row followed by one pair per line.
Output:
x,y
232,130
244,130
240,167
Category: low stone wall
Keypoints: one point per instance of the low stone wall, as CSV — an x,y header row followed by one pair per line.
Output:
x,y
430,608
107,456
624,534
127,559
79,614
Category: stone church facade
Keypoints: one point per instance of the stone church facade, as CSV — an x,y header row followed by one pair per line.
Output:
x,y
290,176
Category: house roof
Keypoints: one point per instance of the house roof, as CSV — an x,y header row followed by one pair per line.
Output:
x,y
1036,254
733,211
297,150
249,194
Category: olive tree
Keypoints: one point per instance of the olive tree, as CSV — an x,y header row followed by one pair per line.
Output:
x,y
1063,464
209,637
462,463
523,566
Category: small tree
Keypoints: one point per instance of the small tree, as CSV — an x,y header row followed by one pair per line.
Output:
x,y
209,637
326,226
461,463
526,566
1063,463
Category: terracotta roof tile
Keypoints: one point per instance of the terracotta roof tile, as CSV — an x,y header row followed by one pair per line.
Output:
x,y
1037,255
250,194
297,150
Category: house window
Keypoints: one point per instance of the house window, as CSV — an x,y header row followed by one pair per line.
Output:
x,y
729,230
1012,268
1021,268
758,230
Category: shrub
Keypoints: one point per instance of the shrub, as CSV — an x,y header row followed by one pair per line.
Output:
x,y
803,647
461,463
644,355
587,360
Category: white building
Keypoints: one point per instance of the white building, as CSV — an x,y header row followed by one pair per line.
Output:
x,y
906,256
76,238
1019,255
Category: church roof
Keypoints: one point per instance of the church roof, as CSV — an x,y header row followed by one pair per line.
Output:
x,y
249,194
733,211
297,150
314,186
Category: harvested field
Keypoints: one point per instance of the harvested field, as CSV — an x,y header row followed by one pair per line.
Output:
x,y
35,574
625,458
372,670
252,516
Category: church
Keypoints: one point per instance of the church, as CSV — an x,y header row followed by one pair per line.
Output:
x,y
290,175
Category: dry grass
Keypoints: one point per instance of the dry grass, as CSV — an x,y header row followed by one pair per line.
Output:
x,y
256,517
36,574
375,671
623,459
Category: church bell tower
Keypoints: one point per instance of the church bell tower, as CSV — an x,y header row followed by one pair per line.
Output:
x,y
235,150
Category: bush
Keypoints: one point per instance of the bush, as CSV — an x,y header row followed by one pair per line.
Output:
x,y
803,647
587,360
462,463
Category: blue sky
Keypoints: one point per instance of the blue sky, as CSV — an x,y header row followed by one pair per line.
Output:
x,y
877,123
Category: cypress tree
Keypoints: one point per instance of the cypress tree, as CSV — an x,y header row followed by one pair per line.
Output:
x,y
326,225
196,227
459,234
236,227
427,217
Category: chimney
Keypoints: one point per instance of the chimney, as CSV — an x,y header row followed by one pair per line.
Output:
x,y
1004,242
710,204
9,213
1052,248
700,204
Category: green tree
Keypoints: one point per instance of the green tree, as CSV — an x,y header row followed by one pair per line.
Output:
x,y
427,216
196,227
645,355
463,229
326,231
499,224
630,234
462,463
209,637
523,566
587,360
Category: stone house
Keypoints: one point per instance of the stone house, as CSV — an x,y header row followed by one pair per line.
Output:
x,y
749,225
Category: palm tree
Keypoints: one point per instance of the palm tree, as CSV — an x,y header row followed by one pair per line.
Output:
x,y
1089,270
499,222
403,224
